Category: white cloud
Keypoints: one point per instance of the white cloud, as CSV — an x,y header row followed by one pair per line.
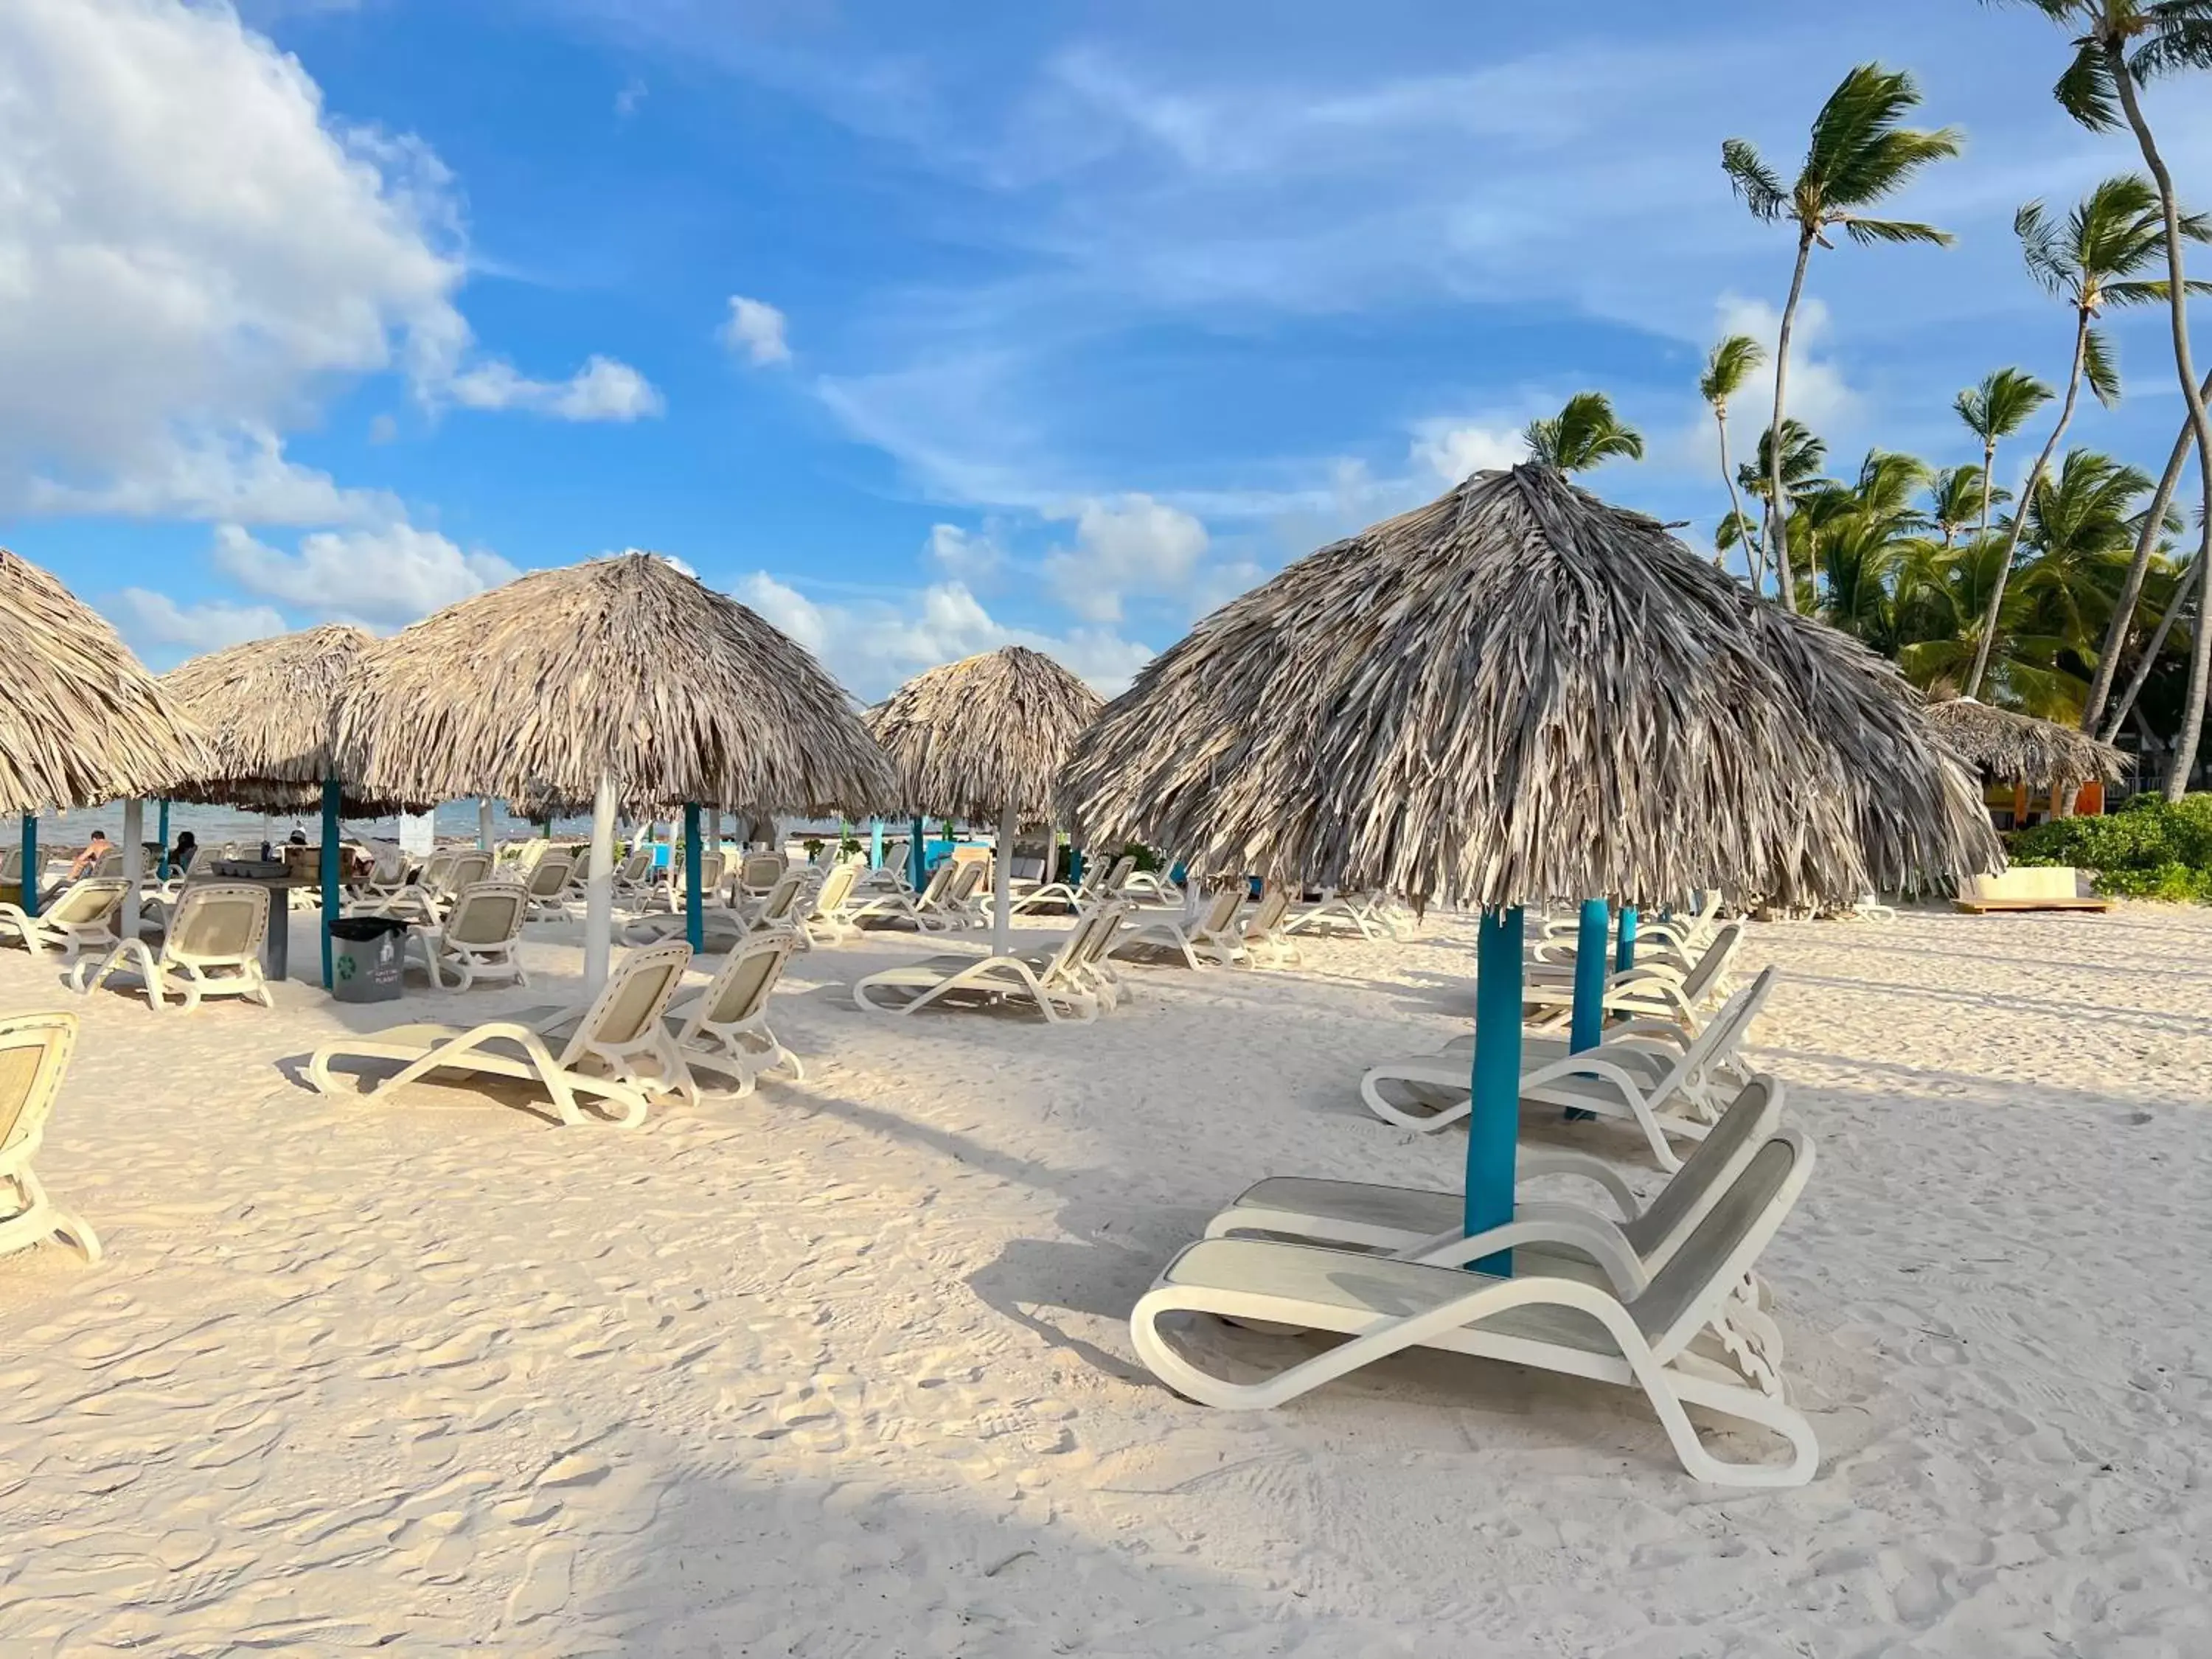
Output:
x,y
964,555
755,328
242,476
383,576
603,390
874,646
1133,545
631,95
155,620
1454,452
1817,393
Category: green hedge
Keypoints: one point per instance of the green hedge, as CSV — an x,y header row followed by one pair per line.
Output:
x,y
2148,850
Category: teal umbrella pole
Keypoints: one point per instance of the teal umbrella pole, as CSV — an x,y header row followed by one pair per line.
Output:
x,y
329,874
876,844
30,894
1590,962
1493,1130
1074,863
161,865
1625,958
917,857
695,925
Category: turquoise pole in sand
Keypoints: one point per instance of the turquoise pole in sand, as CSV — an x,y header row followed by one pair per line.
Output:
x,y
1587,1025
331,797
876,844
161,866
1625,958
30,893
695,925
917,857
1493,1127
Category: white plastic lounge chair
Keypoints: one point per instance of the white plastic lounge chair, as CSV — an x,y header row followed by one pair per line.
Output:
x,y
34,1053
824,920
635,878
1415,1224
546,887
386,877
1265,935
82,917
964,902
1650,990
1664,1089
1689,1338
669,892
725,1027
758,874
212,949
1061,985
1146,887
600,1057
1205,934
924,912
781,906
1687,933
1104,879
1369,914
478,939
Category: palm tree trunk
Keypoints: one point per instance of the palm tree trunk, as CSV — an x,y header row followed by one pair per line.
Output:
x,y
1777,508
1735,502
2028,495
2124,607
2149,659
2200,655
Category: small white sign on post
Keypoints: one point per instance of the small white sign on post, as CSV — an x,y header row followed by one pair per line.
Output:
x,y
418,833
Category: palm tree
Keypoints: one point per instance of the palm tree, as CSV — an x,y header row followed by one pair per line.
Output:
x,y
2122,44
2091,261
1858,155
1861,539
2082,522
1734,361
1994,409
1955,496
1584,433
1802,456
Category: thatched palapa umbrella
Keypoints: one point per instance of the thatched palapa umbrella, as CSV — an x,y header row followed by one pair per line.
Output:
x,y
622,680
81,722
1518,693
2017,748
986,735
269,705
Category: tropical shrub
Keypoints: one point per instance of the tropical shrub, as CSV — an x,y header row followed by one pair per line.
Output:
x,y
2150,848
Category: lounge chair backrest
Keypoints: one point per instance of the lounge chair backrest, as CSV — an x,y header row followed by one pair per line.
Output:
x,y
437,873
34,1052
760,871
966,879
713,867
467,869
630,1005
742,988
1714,963
781,900
109,863
1722,1032
1123,868
1750,1117
836,888
488,913
88,903
636,864
218,921
550,873
1686,1293
1267,915
11,864
1077,945
939,879
1111,916
391,866
1218,910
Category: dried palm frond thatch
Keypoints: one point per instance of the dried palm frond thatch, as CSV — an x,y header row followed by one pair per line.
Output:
x,y
267,706
1517,694
623,666
2017,748
81,722
973,737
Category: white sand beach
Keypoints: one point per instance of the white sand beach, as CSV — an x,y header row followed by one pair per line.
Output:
x,y
843,1368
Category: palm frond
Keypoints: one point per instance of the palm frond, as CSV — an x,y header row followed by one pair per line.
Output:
x,y
2086,90
1753,179
1868,232
2098,369
1733,361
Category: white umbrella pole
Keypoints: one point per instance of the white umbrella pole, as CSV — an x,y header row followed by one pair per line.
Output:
x,y
1002,867
485,839
134,864
599,888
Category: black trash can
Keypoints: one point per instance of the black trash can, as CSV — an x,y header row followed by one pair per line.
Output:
x,y
365,958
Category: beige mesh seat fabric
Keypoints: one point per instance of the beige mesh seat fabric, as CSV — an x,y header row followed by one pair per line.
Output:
x,y
82,917
827,921
34,1054
1062,986
1692,1336
1418,1225
725,1029
212,949
1265,937
758,873
546,886
616,1052
479,941
1205,935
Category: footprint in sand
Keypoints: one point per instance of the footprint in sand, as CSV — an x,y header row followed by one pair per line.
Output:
x,y
543,1588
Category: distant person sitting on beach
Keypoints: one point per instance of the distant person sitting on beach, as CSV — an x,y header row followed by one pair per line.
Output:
x,y
84,860
298,838
187,844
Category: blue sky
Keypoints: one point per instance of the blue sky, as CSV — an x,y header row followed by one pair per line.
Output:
x,y
922,329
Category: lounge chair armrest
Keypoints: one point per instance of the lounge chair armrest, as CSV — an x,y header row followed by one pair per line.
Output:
x,y
1649,1034
1561,1226
1532,1166
1586,1062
